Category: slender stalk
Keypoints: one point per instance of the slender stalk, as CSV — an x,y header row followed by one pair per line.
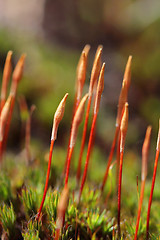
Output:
x,y
68,165
80,80
153,182
47,179
139,208
88,155
57,234
145,151
17,75
83,141
57,118
123,131
68,148
122,100
151,193
94,76
110,158
119,192
118,156
100,88
75,125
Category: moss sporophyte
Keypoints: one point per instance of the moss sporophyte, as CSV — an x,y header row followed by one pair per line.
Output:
x,y
60,204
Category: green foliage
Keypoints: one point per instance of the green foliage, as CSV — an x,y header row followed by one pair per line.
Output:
x,y
8,218
30,200
51,205
5,188
31,233
141,230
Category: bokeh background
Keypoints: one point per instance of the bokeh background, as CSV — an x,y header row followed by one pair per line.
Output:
x,y
53,34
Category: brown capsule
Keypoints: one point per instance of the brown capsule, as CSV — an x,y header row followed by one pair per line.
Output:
x,y
95,69
124,127
17,74
6,74
81,75
77,120
121,102
86,51
127,73
3,117
62,206
145,151
100,88
58,117
124,90
158,139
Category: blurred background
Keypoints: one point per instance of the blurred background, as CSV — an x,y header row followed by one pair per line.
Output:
x,y
53,34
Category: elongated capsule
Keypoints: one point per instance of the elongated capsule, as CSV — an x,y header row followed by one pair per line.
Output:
x,y
145,151
100,88
3,117
62,206
86,51
127,73
121,102
81,75
95,69
6,74
58,117
158,139
124,127
123,98
17,74
77,120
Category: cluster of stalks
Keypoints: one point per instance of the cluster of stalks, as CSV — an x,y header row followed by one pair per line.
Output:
x,y
96,85
7,104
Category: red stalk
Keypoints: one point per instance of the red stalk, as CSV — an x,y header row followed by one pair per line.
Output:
x,y
139,208
68,165
118,156
68,149
88,155
94,76
83,140
119,192
80,80
122,99
153,182
76,122
47,179
17,75
123,132
57,118
145,151
110,158
151,193
100,88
